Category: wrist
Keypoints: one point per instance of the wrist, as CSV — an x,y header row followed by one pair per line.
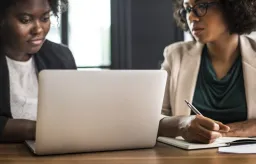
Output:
x,y
30,130
184,123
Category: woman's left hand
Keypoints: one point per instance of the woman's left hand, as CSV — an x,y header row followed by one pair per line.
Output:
x,y
241,129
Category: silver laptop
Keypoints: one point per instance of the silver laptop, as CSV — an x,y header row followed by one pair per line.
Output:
x,y
89,111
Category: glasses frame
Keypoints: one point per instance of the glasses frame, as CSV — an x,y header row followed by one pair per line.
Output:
x,y
206,5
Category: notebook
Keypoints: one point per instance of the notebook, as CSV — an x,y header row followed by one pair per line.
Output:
x,y
240,149
220,142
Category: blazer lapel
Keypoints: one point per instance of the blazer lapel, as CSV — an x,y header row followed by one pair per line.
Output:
x,y
189,69
4,87
248,52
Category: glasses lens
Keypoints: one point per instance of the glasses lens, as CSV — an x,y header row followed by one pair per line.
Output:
x,y
200,9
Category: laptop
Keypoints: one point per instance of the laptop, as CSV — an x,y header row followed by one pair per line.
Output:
x,y
90,111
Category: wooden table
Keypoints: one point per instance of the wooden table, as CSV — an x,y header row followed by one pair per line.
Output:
x,y
161,154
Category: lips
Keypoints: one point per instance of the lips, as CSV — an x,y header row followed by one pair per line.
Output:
x,y
197,30
36,42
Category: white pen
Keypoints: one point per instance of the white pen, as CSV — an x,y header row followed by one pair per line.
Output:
x,y
193,108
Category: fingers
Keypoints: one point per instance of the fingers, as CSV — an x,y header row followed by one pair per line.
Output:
x,y
211,135
223,128
212,125
197,128
230,134
201,139
205,130
208,123
204,136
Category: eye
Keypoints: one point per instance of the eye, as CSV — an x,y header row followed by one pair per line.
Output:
x,y
45,19
202,6
188,9
25,19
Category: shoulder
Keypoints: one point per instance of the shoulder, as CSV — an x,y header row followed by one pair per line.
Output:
x,y
57,54
177,50
248,42
181,46
55,48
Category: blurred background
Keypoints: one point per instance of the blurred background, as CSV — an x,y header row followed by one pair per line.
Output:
x,y
117,34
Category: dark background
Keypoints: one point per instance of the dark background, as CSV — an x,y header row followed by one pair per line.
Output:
x,y
140,30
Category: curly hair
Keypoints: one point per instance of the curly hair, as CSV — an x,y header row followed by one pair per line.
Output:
x,y
57,6
240,15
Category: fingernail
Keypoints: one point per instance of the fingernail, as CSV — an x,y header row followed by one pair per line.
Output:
x,y
216,127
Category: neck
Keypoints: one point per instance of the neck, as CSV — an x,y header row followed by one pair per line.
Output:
x,y
16,55
224,49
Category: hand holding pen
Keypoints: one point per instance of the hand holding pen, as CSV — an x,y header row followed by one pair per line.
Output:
x,y
202,129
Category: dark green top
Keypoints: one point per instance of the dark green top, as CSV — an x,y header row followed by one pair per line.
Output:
x,y
221,99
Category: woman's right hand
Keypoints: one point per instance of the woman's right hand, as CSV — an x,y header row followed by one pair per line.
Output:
x,y
201,129
18,130
31,129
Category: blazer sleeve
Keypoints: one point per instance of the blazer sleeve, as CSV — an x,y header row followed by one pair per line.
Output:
x,y
69,60
166,107
3,121
55,56
5,113
64,56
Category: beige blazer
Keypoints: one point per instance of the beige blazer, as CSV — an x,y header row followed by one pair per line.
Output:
x,y
182,62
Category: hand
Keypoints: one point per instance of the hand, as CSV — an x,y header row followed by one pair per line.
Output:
x,y
31,130
18,130
203,130
241,129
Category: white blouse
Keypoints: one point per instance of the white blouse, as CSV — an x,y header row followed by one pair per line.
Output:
x,y
23,89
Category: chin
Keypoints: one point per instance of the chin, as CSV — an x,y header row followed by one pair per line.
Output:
x,y
201,40
34,50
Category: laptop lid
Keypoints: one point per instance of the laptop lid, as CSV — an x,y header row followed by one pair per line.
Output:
x,y
85,111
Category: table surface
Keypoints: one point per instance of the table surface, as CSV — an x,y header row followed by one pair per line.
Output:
x,y
161,154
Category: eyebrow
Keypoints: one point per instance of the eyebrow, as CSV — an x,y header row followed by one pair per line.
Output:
x,y
196,1
25,13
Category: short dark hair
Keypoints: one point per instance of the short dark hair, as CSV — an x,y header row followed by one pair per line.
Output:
x,y
57,6
240,15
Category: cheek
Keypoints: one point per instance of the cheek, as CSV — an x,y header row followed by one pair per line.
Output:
x,y
46,28
216,25
23,32
17,32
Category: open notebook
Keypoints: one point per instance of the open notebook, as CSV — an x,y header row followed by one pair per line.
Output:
x,y
220,142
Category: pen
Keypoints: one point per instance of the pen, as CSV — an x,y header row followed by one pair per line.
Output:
x,y
241,142
193,108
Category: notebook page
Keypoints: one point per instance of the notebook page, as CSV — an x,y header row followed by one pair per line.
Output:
x,y
230,139
239,149
181,143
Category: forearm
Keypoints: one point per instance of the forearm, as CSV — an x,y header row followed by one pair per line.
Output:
x,y
18,130
173,126
242,129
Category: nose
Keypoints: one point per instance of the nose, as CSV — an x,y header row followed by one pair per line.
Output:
x,y
37,28
192,17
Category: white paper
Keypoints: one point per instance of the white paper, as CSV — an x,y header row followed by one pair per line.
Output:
x,y
239,149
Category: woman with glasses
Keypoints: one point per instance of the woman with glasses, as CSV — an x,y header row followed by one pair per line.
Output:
x,y
215,72
24,52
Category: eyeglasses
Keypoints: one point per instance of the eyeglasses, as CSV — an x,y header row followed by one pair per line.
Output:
x,y
199,10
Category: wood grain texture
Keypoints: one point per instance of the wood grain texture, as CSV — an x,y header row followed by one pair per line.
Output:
x,y
161,154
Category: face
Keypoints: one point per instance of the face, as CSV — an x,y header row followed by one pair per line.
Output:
x,y
206,26
26,25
